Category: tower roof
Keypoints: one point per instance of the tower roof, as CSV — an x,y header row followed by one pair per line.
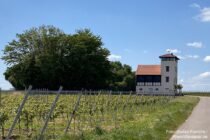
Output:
x,y
170,55
148,70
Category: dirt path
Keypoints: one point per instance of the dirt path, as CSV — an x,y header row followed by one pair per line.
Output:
x,y
197,126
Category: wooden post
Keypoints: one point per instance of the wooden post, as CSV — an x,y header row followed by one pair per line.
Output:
x,y
73,113
117,109
18,112
50,113
126,102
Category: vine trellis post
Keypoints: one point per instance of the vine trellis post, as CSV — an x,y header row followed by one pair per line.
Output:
x,y
50,113
73,113
18,112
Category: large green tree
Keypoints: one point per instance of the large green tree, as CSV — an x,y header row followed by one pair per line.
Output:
x,y
122,77
46,57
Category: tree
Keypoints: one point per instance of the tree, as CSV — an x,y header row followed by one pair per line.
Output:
x,y
122,77
46,57
179,88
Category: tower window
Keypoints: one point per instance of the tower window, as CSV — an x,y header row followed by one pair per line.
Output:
x,y
167,68
167,79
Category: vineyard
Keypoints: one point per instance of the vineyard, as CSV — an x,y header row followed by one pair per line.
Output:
x,y
74,113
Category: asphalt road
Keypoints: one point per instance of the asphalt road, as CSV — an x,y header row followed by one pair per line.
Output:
x,y
197,126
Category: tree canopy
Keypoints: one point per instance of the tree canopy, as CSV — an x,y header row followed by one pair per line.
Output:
x,y
122,77
46,57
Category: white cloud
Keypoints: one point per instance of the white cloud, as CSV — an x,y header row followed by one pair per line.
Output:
x,y
189,56
207,59
195,5
204,15
204,75
172,51
181,80
192,56
196,86
195,44
114,57
197,83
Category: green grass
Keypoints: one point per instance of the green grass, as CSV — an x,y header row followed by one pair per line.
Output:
x,y
197,93
95,113
143,117
153,126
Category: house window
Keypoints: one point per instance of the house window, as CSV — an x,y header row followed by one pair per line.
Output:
x,y
168,59
167,68
167,79
150,90
156,89
141,84
140,89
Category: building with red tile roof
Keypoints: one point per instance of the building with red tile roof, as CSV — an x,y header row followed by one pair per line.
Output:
x,y
158,78
148,70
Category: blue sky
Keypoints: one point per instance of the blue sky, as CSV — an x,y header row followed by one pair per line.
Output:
x,y
135,31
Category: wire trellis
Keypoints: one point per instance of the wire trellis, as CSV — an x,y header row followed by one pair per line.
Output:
x,y
49,114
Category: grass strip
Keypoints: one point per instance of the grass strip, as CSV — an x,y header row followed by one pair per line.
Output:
x,y
155,126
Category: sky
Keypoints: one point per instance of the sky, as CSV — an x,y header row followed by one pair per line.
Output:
x,y
135,31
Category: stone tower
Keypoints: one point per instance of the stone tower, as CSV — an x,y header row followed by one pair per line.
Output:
x,y
169,72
